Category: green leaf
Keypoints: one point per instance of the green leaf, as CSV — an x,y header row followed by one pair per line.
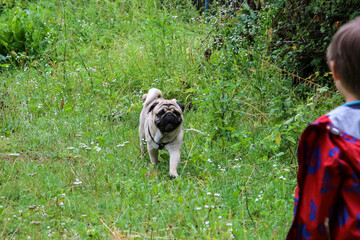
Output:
x,y
18,30
236,193
118,186
278,139
2,58
280,154
291,139
289,121
230,129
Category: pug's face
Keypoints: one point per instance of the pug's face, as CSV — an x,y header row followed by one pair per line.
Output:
x,y
167,115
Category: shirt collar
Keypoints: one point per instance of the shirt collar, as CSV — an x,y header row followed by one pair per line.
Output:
x,y
351,103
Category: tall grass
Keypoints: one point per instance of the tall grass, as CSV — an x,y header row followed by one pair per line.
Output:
x,y
70,160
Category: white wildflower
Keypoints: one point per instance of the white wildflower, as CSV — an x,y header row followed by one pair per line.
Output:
x,y
122,144
77,182
14,154
83,145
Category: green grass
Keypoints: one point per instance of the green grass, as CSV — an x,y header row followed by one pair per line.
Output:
x,y
70,164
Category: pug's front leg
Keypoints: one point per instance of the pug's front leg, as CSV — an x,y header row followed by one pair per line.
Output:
x,y
142,139
153,153
174,161
142,145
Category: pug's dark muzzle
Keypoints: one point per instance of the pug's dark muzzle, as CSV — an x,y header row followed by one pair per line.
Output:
x,y
168,122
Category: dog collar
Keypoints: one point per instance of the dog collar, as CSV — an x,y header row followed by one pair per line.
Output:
x,y
160,145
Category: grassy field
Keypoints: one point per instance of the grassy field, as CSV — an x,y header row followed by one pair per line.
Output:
x,y
70,165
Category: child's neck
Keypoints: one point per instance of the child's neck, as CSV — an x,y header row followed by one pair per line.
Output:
x,y
351,98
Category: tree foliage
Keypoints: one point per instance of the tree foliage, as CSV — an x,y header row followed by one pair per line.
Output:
x,y
303,30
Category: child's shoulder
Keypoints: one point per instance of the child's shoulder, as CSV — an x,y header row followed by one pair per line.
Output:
x,y
347,118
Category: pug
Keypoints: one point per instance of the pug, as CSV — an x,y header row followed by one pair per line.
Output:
x,y
161,128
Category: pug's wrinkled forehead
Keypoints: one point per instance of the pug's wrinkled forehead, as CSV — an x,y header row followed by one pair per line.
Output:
x,y
167,105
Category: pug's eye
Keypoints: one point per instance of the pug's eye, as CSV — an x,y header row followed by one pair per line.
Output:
x,y
161,113
177,113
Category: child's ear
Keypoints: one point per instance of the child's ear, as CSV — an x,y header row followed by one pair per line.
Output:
x,y
335,73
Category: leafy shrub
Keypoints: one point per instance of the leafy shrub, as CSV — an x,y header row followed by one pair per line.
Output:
x,y
244,88
295,33
24,30
303,31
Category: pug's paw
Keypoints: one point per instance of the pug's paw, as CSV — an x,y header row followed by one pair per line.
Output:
x,y
173,174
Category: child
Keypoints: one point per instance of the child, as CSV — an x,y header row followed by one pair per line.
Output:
x,y
327,197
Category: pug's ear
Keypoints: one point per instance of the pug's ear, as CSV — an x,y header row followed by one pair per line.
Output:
x,y
181,106
153,106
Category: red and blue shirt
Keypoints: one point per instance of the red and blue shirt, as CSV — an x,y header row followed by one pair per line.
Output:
x,y
327,197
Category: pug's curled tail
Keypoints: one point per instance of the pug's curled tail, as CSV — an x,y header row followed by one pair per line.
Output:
x,y
153,94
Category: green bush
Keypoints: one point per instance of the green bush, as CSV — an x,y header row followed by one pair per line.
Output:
x,y
25,31
295,34
246,87
303,31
